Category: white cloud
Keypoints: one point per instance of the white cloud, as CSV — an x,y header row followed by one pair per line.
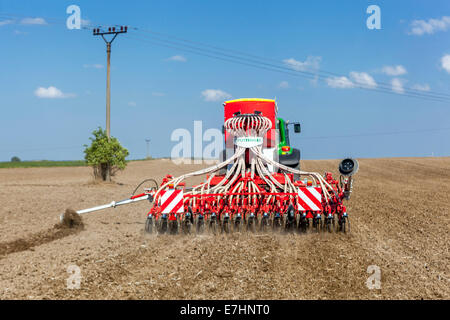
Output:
x,y
421,27
421,87
445,62
340,82
311,63
363,79
18,32
397,85
355,79
51,93
132,104
95,66
158,94
177,58
38,21
283,85
5,22
394,70
215,95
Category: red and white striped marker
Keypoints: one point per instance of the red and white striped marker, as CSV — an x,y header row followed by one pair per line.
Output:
x,y
172,201
309,199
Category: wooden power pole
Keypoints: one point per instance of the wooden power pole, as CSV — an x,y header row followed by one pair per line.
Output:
x,y
113,31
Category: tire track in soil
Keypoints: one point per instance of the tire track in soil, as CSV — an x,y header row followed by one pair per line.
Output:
x,y
71,224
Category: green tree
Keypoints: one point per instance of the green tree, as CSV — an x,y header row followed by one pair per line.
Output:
x,y
15,159
105,156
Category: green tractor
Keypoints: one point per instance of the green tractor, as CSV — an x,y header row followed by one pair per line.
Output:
x,y
287,155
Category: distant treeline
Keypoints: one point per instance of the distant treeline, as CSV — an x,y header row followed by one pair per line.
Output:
x,y
42,163
51,163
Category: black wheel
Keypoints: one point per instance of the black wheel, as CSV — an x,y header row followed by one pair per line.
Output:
x,y
251,224
291,223
329,227
173,227
317,224
329,224
264,224
345,226
200,225
162,225
303,225
187,227
237,225
276,225
291,160
226,225
186,224
297,176
149,225
213,225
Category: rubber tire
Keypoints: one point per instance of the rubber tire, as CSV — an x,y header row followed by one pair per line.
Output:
x,y
226,226
237,226
173,227
317,224
329,226
163,226
296,176
251,224
277,224
200,226
264,224
213,226
149,225
186,226
346,225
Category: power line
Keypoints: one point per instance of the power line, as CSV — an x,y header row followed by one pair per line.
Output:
x,y
273,66
376,134
222,50
279,69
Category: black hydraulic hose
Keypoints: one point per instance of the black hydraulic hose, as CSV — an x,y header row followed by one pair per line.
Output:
x,y
140,184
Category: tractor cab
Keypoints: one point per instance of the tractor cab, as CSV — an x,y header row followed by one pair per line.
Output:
x,y
287,155
276,144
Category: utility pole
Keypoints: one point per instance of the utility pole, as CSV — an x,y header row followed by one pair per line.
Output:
x,y
113,31
148,146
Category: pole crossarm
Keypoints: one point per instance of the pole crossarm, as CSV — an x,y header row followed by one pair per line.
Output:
x,y
111,30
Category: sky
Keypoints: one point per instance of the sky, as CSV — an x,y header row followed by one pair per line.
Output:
x,y
53,79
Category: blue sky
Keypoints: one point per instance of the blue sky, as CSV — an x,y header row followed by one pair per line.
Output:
x,y
156,89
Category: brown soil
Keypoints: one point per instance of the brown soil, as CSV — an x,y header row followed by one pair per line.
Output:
x,y
70,224
400,222
71,219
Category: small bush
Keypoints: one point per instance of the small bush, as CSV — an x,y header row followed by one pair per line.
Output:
x,y
15,159
105,156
